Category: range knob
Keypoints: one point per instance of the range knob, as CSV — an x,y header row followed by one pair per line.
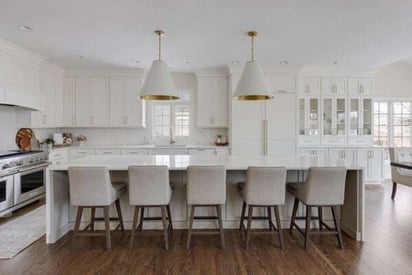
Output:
x,y
5,166
19,163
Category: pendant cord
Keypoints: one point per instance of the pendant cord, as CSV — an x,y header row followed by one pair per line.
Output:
x,y
160,47
253,48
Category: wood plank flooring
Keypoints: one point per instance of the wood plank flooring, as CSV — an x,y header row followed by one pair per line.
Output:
x,y
388,250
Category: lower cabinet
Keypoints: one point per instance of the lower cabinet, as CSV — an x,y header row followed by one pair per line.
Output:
x,y
348,156
107,151
202,152
372,161
79,153
314,152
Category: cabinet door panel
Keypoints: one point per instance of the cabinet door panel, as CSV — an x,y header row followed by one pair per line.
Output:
x,y
7,71
282,83
69,86
99,101
82,101
309,85
333,86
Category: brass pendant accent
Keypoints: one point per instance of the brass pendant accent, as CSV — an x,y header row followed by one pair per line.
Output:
x,y
158,97
253,97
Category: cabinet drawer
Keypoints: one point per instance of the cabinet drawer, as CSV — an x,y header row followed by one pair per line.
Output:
x,y
134,152
334,141
306,140
202,151
222,152
360,141
108,152
82,153
60,154
168,151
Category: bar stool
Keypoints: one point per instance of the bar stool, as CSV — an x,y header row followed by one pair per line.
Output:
x,y
149,187
324,187
206,187
91,187
264,187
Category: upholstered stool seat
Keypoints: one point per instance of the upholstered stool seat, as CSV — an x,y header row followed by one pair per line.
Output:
x,y
324,187
264,187
206,187
91,187
149,187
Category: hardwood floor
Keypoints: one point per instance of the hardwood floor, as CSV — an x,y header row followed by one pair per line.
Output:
x,y
388,250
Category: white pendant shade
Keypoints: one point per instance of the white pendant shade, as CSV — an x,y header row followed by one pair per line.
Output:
x,y
159,84
252,84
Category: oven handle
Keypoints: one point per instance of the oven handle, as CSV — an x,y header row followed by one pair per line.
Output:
x,y
34,167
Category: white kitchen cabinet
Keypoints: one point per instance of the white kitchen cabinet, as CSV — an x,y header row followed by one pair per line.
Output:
x,y
372,162
333,86
167,151
313,152
347,156
360,121
134,152
108,152
126,109
58,156
51,87
360,86
7,71
201,151
69,96
92,101
212,101
309,85
334,126
222,151
282,83
80,153
309,120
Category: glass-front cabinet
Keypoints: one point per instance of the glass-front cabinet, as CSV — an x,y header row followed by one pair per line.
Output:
x,y
309,120
333,120
360,121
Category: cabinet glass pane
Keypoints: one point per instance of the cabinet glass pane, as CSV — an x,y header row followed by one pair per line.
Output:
x,y
313,117
340,116
354,116
301,116
327,116
367,116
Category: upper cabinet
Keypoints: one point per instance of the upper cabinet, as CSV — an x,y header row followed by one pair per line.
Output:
x,y
282,83
92,101
333,86
126,109
360,86
51,86
212,101
309,85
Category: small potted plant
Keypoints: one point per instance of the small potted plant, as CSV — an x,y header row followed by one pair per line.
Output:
x,y
50,143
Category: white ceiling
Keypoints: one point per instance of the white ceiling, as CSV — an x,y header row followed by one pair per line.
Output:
x,y
209,33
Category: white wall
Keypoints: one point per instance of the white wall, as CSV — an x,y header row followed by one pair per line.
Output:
x,y
393,80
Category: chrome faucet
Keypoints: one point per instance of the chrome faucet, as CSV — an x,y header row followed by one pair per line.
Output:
x,y
171,136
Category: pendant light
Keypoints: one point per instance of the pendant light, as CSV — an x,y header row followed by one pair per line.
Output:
x,y
252,84
159,84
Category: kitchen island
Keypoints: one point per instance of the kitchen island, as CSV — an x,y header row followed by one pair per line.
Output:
x,y
60,214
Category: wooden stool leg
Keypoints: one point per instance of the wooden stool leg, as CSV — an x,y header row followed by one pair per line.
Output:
x,y
307,226
219,215
107,226
269,217
135,216
295,210
169,215
141,219
189,235
78,219
337,225
393,191
249,225
320,216
279,226
119,214
242,216
92,217
165,226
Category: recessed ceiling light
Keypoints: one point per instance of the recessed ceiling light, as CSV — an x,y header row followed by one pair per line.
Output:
x,y
335,62
235,62
135,61
25,28
79,57
284,62
188,62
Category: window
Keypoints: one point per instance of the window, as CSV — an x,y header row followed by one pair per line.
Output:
x,y
173,115
392,123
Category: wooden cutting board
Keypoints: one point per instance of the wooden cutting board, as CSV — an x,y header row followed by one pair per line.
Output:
x,y
26,134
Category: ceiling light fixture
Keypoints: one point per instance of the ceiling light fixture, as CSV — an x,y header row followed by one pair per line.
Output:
x,y
284,62
79,57
25,28
335,62
159,84
135,61
235,62
188,62
252,84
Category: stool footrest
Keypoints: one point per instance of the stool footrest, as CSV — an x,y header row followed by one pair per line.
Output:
x,y
205,217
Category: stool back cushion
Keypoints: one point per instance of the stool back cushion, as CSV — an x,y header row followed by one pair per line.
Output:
x,y
91,186
399,175
149,185
324,186
206,185
265,186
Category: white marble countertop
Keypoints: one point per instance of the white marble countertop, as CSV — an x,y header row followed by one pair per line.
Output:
x,y
180,162
143,146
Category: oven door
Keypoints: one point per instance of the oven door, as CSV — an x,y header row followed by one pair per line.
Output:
x,y
29,183
6,192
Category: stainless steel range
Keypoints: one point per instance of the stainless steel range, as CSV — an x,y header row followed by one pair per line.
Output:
x,y
22,178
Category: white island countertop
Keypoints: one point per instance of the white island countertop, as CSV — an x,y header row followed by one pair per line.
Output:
x,y
180,162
